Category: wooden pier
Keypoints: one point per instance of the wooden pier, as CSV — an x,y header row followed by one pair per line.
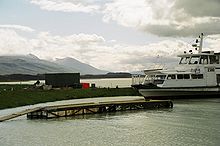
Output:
x,y
93,108
18,114
68,110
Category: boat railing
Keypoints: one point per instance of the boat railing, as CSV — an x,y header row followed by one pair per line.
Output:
x,y
137,79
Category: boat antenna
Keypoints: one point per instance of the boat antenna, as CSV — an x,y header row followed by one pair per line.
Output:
x,y
200,43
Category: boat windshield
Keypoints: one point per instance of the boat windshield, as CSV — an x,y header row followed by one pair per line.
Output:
x,y
190,60
203,60
155,79
160,77
194,60
184,60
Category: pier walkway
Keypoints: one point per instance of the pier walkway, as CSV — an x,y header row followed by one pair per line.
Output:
x,y
67,110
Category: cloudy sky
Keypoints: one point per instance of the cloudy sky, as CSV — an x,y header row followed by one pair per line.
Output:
x,y
113,35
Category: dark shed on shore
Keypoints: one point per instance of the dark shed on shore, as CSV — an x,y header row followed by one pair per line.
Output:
x,y
63,79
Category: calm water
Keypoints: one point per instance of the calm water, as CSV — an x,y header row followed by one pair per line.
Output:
x,y
112,83
190,122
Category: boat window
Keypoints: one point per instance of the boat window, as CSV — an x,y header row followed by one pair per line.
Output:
x,y
149,77
183,76
217,59
158,82
197,76
203,60
218,78
160,77
186,76
214,59
211,69
173,77
184,60
194,60
180,76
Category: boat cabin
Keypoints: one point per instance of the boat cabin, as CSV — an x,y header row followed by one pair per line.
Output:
x,y
208,57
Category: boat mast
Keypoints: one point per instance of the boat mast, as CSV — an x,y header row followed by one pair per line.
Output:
x,y
200,43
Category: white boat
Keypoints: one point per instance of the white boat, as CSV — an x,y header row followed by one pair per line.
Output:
x,y
196,75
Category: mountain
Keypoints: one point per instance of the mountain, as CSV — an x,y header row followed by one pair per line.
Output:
x,y
31,64
76,65
27,64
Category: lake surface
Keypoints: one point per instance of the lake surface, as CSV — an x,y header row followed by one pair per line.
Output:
x,y
190,122
108,82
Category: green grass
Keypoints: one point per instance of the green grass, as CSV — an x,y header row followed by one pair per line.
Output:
x,y
25,95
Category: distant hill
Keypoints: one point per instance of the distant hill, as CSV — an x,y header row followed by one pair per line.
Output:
x,y
108,75
83,68
30,64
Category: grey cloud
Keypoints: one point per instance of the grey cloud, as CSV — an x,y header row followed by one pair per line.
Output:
x,y
170,31
207,12
200,8
168,17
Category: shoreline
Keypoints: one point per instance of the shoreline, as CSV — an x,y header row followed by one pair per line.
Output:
x,y
29,77
12,96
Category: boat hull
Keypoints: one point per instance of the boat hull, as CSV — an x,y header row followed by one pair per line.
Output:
x,y
175,93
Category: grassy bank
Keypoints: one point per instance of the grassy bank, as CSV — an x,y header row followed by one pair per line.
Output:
x,y
20,95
